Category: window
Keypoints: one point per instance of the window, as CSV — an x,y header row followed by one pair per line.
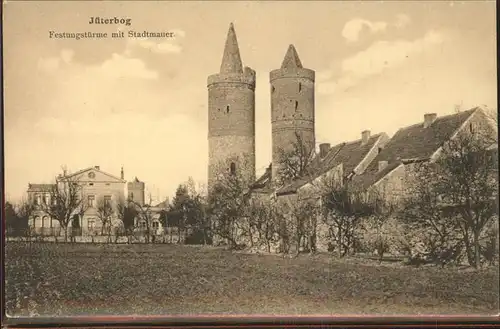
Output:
x,y
379,149
300,87
131,196
143,224
91,224
92,201
107,200
45,199
91,184
227,109
296,105
156,225
273,89
107,184
232,168
471,128
38,199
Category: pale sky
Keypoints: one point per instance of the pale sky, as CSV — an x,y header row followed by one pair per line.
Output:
x,y
143,103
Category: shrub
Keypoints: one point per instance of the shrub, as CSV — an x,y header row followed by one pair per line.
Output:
x,y
198,236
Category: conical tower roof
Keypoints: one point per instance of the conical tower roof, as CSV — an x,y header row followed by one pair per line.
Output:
x,y
231,60
291,60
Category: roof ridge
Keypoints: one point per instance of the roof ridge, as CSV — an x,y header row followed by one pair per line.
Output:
x,y
446,116
361,139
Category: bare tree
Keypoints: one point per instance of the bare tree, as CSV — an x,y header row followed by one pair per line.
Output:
x,y
468,185
380,227
296,161
342,208
424,212
262,222
227,203
66,200
105,214
145,215
456,196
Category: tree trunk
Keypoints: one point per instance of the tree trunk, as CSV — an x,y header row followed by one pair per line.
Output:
x,y
477,255
339,242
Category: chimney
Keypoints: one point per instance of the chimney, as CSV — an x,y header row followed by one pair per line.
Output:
x,y
365,136
429,118
122,174
323,149
382,165
97,167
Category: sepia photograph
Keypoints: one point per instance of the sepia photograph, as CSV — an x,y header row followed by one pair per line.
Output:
x,y
250,158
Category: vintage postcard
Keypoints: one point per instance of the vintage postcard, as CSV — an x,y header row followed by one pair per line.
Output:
x,y
276,158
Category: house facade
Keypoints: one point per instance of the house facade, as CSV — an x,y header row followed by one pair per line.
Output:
x,y
100,193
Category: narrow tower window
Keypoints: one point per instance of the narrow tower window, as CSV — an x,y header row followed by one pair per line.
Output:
x,y
227,109
300,86
272,89
296,105
233,168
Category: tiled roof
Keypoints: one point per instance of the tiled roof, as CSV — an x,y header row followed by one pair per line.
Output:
x,y
349,154
263,183
40,187
412,142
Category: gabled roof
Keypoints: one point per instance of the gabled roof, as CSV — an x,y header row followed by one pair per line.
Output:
x,y
263,183
94,169
349,154
40,187
412,143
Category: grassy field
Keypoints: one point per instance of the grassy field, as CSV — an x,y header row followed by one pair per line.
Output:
x,y
76,279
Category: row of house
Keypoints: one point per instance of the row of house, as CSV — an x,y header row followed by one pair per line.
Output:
x,y
377,161
97,187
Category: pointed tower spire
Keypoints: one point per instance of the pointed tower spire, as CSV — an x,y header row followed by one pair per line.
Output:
x,y
231,60
291,60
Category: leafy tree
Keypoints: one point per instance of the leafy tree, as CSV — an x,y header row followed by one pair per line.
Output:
x,y
127,213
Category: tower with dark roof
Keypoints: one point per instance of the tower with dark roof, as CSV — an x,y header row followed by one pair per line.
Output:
x,y
231,115
292,107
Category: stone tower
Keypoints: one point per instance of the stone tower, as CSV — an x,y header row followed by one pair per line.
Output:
x,y
292,107
231,116
136,191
